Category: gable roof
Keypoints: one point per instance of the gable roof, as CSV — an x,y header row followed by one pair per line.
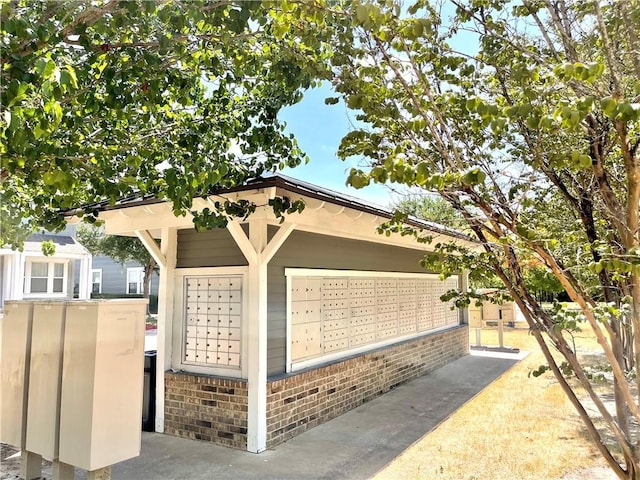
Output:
x,y
65,245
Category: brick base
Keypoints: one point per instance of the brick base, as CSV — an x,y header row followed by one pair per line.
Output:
x,y
206,408
302,401
215,409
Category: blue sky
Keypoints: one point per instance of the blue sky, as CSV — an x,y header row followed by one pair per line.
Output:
x,y
319,129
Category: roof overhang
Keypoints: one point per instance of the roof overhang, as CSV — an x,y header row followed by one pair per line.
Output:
x,y
326,213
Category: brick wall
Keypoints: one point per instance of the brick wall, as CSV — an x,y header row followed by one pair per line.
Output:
x,y
215,409
206,408
301,401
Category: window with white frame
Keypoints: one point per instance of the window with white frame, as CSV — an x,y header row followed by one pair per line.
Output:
x,y
46,277
331,314
135,280
96,280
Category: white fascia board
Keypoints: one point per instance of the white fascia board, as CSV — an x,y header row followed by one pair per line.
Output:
x,y
322,217
335,220
317,272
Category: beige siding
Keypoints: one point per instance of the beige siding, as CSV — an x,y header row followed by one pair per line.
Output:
x,y
212,248
308,250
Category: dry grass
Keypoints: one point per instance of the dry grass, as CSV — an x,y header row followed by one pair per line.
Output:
x,y
520,427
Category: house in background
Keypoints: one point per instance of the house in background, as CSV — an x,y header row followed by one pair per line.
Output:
x,y
269,328
30,274
71,273
111,279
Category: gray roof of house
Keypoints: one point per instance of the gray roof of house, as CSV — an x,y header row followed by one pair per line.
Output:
x,y
64,244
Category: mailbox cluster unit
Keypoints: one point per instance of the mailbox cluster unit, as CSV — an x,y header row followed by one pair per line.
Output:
x,y
490,314
332,314
212,335
72,376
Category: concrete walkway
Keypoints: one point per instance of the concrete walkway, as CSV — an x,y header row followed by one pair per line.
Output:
x,y
353,446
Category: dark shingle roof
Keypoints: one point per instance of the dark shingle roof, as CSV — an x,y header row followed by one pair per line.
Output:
x,y
46,237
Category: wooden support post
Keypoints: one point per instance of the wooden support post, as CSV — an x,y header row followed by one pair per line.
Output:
x,y
257,341
168,250
258,252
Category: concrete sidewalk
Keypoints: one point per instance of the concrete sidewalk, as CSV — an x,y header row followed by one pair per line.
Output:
x,y
353,446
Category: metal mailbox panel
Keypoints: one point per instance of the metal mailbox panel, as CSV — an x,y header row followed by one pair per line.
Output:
x,y
234,347
14,371
314,289
298,312
45,379
298,290
337,344
191,355
313,310
223,321
234,334
363,339
406,329
234,321
234,360
336,324
218,307
307,340
329,314
358,310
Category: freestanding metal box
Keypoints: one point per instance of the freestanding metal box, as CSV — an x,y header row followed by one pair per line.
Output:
x,y
45,377
14,371
102,378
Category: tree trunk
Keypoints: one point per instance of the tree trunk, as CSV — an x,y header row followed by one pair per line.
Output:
x,y
146,284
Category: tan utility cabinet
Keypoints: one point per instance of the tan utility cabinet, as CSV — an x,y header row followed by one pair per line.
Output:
x,y
492,313
475,315
45,378
14,367
103,368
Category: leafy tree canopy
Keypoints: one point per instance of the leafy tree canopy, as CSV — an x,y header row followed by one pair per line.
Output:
x,y
101,99
121,249
523,116
430,208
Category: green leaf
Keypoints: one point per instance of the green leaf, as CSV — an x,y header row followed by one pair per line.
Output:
x,y
475,177
362,13
358,179
533,122
608,105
